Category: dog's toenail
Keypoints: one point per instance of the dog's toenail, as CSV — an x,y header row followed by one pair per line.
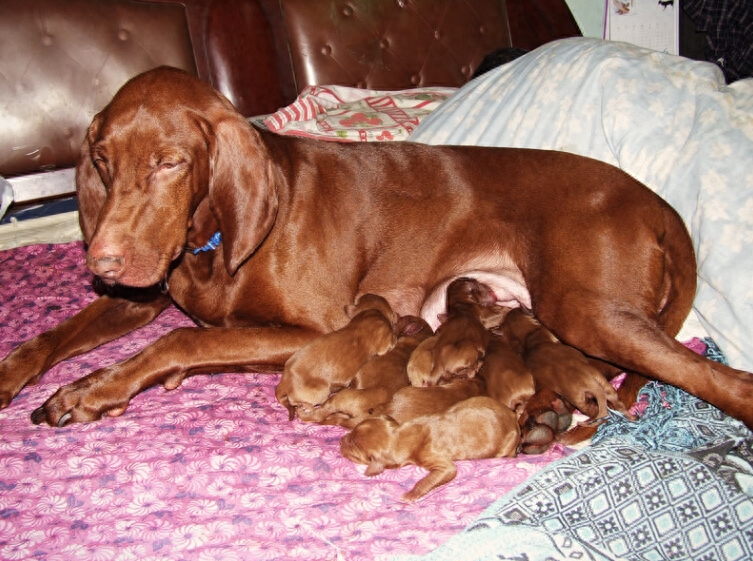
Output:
x,y
64,419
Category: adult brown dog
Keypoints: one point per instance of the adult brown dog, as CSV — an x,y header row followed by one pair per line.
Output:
x,y
476,428
330,363
307,226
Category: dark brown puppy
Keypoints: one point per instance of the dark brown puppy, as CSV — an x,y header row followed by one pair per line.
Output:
x,y
308,226
375,382
560,368
475,428
508,379
459,345
412,401
329,363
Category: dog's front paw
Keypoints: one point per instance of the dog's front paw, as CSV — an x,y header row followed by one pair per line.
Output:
x,y
87,399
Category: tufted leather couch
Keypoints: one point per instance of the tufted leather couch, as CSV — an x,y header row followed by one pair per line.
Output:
x,y
62,60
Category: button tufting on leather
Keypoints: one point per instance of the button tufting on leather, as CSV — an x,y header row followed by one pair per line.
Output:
x,y
123,35
482,29
361,84
46,40
466,70
347,11
400,3
384,43
415,79
437,35
326,50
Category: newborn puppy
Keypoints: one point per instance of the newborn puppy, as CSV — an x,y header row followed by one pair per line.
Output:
x,y
507,377
561,368
475,428
459,345
411,402
375,382
329,363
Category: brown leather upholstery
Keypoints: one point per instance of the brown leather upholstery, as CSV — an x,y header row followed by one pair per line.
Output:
x,y
57,71
389,45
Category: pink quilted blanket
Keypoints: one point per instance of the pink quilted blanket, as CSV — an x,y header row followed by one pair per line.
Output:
x,y
212,470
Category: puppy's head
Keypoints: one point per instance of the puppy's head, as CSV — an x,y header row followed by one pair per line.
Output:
x,y
299,389
371,443
371,302
414,327
466,290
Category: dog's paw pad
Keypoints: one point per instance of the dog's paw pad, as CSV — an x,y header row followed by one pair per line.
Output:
x,y
548,418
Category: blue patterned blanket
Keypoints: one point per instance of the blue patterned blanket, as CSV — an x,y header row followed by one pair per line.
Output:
x,y
677,484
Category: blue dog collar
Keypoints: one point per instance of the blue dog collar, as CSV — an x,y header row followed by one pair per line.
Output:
x,y
211,245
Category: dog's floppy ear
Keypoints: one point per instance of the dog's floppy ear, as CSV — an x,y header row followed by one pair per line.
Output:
x,y
242,192
89,187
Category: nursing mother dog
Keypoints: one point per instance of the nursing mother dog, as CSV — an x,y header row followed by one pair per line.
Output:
x,y
307,227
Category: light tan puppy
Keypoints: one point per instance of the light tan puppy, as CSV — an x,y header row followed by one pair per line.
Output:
x,y
411,402
459,345
561,368
329,363
375,382
508,379
475,428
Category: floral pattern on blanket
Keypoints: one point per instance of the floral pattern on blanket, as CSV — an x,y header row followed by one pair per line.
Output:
x,y
212,470
354,114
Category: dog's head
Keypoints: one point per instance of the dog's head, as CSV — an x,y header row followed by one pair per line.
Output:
x,y
371,443
165,144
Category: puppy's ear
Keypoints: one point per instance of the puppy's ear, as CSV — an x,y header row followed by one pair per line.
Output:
x,y
242,191
89,187
374,468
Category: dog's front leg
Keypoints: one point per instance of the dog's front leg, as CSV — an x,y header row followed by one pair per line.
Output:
x,y
184,352
104,320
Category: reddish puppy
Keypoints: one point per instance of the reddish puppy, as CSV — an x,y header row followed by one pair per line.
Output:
x,y
329,363
560,368
375,382
459,345
475,428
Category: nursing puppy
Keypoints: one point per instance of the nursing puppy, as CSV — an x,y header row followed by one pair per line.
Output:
x,y
459,345
329,363
411,402
508,379
560,368
479,427
375,382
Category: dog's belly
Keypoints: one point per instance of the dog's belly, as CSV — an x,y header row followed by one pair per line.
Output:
x,y
508,287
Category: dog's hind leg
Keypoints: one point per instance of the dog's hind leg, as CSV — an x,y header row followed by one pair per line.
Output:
x,y
630,340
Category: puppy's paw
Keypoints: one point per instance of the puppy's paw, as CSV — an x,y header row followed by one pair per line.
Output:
x,y
536,439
